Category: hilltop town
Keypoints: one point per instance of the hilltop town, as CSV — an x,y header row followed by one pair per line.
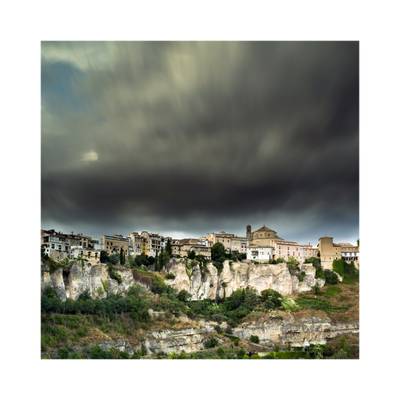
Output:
x,y
262,245
217,296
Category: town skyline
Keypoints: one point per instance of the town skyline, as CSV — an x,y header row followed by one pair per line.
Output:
x,y
184,235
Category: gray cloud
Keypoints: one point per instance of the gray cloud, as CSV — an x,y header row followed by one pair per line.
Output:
x,y
194,137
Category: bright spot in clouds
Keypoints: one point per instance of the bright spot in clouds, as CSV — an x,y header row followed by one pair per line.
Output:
x,y
90,156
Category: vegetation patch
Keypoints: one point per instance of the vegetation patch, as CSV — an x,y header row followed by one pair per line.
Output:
x,y
347,271
114,274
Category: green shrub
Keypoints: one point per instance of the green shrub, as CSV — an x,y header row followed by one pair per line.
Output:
x,y
191,255
319,273
347,271
301,276
254,339
330,277
288,304
170,275
318,304
316,289
184,296
332,291
114,259
229,330
114,274
315,261
210,343
271,299
131,261
218,329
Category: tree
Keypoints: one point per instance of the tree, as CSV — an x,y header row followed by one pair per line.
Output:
x,y
114,259
168,248
104,257
163,259
131,261
191,255
121,256
142,259
218,252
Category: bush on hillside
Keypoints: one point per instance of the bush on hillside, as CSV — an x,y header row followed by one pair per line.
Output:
x,y
114,274
319,273
330,277
114,259
254,339
184,296
210,343
347,271
315,261
271,299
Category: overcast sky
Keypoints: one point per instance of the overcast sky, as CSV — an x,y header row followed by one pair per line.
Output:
x,y
190,138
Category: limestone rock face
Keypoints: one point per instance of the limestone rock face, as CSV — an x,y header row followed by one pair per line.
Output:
x,y
168,341
57,283
295,332
202,282
238,275
80,278
276,330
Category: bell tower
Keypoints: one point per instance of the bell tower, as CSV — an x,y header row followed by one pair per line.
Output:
x,y
248,233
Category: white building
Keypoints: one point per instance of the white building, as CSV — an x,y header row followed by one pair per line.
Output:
x,y
259,253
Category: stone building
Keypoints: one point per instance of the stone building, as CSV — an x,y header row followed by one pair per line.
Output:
x,y
266,238
330,251
147,243
230,241
91,255
182,247
114,244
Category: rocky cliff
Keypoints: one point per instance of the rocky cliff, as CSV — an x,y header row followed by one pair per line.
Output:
x,y
71,282
279,329
201,282
207,283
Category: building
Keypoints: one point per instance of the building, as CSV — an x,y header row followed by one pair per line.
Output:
x,y
265,237
259,253
57,245
91,255
239,244
182,247
136,244
114,244
146,243
349,252
230,241
330,251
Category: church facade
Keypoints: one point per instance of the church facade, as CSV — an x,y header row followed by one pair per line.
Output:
x,y
266,238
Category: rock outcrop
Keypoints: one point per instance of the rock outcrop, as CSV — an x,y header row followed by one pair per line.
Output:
x,y
287,330
201,282
206,283
79,278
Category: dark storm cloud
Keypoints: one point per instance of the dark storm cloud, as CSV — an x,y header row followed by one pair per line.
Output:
x,y
195,137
